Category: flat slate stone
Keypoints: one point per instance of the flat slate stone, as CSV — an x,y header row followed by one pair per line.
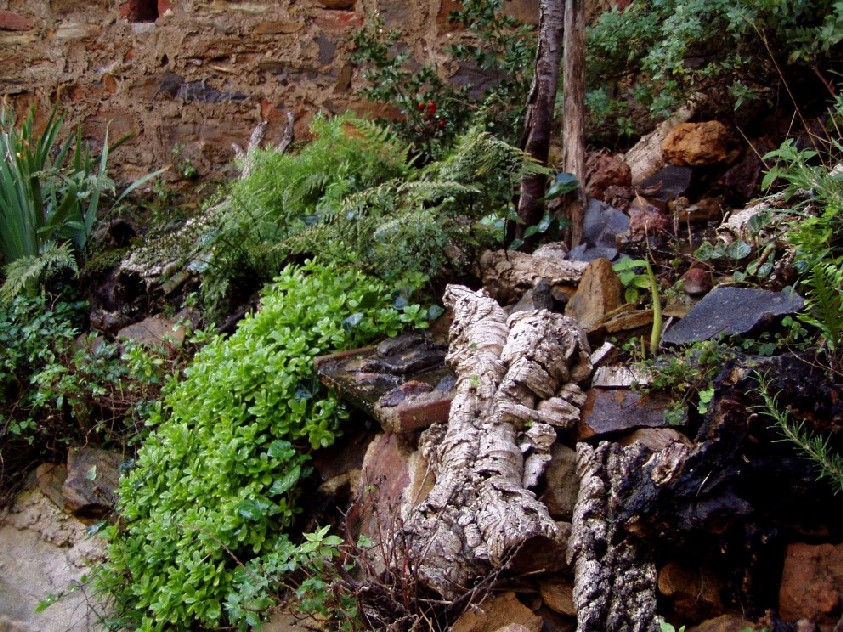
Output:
x,y
730,311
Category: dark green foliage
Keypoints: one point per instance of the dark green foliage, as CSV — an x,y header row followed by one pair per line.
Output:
x,y
57,389
216,484
350,196
722,49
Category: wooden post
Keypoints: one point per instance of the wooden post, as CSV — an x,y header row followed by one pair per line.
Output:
x,y
573,80
539,116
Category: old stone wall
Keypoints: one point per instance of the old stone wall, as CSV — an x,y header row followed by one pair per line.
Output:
x,y
186,78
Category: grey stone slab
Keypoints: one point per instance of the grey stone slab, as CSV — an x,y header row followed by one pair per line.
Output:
x,y
731,311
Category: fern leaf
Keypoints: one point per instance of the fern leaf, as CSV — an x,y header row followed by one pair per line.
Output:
x,y
26,272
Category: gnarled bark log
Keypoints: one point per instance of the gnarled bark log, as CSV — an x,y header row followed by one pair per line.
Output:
x,y
479,511
614,582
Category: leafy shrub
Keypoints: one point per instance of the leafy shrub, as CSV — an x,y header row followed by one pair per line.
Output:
x,y
286,194
216,484
50,194
674,48
350,196
494,43
57,389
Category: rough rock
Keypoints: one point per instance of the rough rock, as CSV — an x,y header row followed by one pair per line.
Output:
x,y
724,623
604,170
558,596
599,292
703,211
696,144
496,613
812,583
154,331
694,593
507,275
479,513
561,483
614,581
646,157
741,180
45,552
629,321
604,228
93,475
646,220
729,311
16,22
608,412
611,377
413,406
696,281
668,183
50,478
657,439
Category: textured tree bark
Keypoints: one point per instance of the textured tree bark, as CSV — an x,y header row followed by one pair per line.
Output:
x,y
479,512
614,582
540,105
573,80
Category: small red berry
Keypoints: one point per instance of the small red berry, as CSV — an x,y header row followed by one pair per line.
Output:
x,y
431,108
421,106
442,123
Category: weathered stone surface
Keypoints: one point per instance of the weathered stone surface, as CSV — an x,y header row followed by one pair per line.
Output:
x,y
668,183
16,22
729,311
703,211
696,144
51,478
93,475
629,321
604,228
562,483
724,623
604,170
694,593
599,292
508,274
413,406
646,220
558,596
154,331
498,612
608,412
741,180
45,552
812,583
620,377
656,439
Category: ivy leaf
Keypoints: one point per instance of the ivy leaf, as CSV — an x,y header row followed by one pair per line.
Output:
x,y
738,250
281,450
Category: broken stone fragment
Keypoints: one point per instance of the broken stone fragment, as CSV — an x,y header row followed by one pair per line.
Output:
x,y
599,293
727,311
608,412
696,144
499,612
812,583
93,475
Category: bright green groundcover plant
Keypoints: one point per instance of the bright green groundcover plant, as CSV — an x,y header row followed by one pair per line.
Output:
x,y
215,485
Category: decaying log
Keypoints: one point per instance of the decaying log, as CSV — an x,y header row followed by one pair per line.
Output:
x,y
480,512
614,581
508,274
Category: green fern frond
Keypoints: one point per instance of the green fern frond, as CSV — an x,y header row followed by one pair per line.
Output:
x,y
26,272
825,303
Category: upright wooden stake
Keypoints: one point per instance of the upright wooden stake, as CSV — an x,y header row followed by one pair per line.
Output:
x,y
573,80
